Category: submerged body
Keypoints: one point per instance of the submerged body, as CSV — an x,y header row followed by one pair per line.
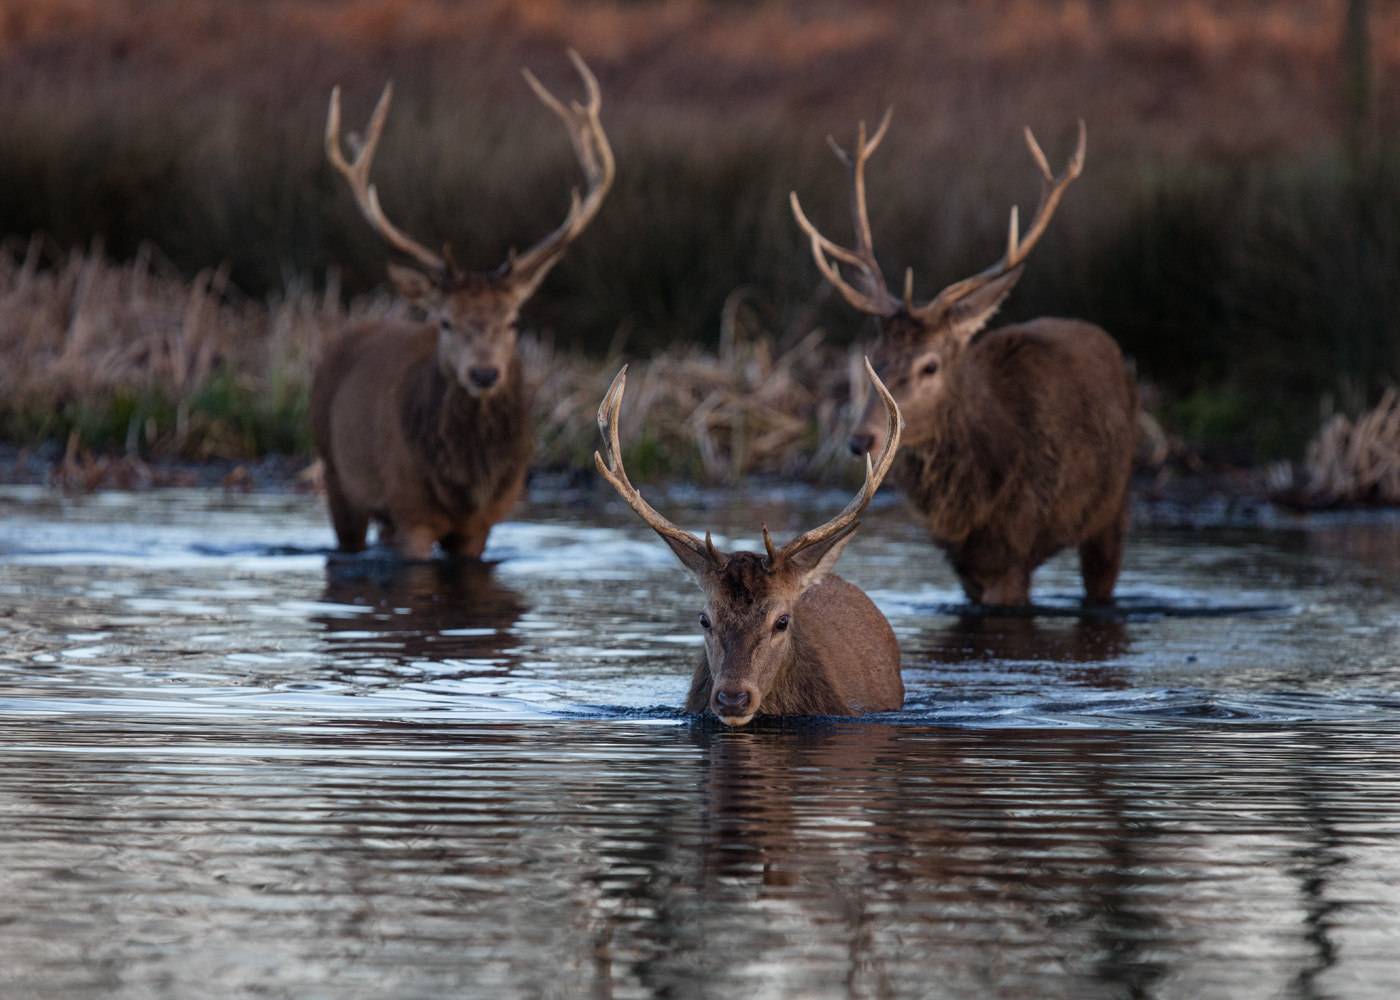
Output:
x,y
843,657
408,446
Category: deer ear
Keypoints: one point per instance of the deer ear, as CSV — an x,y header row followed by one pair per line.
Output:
x,y
703,564
414,285
970,313
816,561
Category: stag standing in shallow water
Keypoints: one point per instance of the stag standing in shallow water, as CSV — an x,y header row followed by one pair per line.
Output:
x,y
784,635
1019,440
425,426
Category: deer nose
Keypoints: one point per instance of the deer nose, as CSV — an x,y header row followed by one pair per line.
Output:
x,y
732,702
860,444
483,378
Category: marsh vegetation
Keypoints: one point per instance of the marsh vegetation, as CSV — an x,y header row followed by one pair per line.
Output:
x,y
178,250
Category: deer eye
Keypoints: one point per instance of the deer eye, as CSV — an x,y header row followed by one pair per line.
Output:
x,y
704,621
781,624
929,368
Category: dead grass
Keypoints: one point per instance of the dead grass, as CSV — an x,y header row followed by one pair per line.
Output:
x,y
127,363
134,356
194,126
1356,462
760,403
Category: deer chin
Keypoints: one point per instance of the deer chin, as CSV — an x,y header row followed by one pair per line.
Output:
x,y
737,720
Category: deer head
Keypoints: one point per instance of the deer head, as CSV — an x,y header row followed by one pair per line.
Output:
x,y
921,345
752,619
476,312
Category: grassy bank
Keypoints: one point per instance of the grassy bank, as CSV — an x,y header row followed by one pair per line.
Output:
x,y
1243,254
133,359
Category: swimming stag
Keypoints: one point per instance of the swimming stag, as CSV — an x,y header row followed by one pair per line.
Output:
x,y
425,426
784,635
1019,440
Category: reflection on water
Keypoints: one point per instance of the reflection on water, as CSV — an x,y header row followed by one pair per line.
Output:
x,y
997,637
608,859
229,767
443,611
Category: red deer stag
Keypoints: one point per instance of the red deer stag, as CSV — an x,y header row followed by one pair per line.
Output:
x,y
1019,440
783,634
424,426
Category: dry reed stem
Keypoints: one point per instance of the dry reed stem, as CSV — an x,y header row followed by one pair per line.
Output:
x,y
1357,462
87,329
754,406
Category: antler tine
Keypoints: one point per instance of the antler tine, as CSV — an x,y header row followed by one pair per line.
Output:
x,y
594,155
865,247
616,475
874,474
357,174
1052,187
1018,247
875,297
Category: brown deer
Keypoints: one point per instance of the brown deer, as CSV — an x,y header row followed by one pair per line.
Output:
x,y
424,426
1019,440
784,635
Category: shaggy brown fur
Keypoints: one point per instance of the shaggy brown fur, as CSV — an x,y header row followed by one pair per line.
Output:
x,y
1024,449
842,657
407,447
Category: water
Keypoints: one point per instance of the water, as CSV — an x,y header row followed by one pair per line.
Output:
x,y
227,769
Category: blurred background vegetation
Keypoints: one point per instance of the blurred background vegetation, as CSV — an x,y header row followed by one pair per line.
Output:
x,y
1237,227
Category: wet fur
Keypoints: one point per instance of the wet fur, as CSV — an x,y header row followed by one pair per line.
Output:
x,y
404,446
844,658
1033,454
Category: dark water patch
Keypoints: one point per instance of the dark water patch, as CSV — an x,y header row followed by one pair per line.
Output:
x,y
605,859
1125,608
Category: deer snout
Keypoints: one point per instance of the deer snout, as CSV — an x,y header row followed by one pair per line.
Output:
x,y
734,706
483,377
861,444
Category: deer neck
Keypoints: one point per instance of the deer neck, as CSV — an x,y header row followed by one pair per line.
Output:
x,y
954,476
471,444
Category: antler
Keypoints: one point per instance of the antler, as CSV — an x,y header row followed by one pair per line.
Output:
x,y
875,297
874,474
529,268
594,155
1017,249
357,173
615,474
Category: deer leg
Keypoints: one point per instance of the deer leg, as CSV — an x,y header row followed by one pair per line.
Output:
x,y
416,543
1100,559
469,536
1012,588
993,584
350,523
972,588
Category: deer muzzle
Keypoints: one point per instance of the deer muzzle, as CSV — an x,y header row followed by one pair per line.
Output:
x,y
734,706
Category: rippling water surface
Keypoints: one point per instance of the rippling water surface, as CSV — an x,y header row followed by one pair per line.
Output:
x,y
229,768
